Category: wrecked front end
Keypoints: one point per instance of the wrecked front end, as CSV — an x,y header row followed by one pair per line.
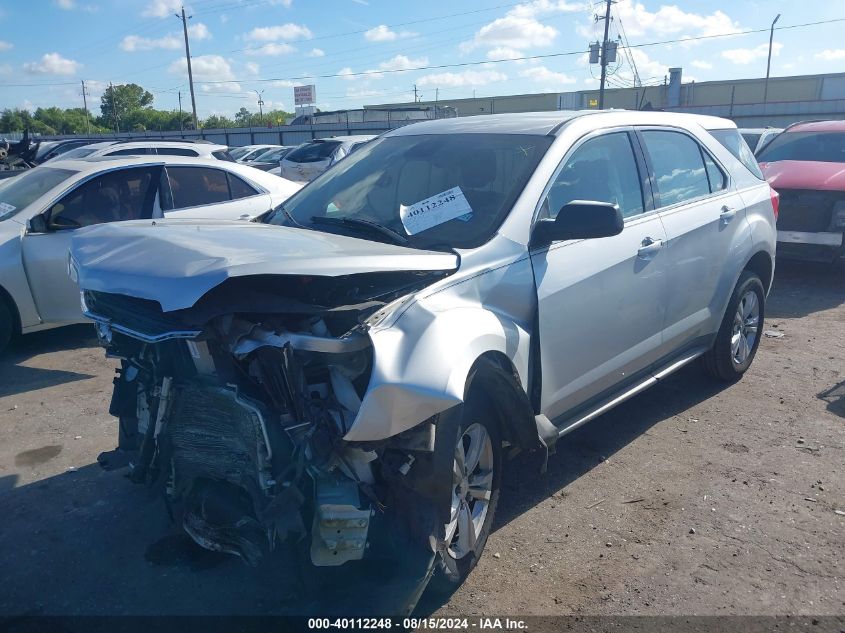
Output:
x,y
236,409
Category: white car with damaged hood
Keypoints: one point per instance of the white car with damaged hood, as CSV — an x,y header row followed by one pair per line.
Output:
x,y
362,356
43,208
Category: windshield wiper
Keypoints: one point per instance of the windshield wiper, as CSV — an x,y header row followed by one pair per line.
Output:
x,y
395,237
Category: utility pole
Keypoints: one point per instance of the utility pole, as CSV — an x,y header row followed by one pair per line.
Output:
x,y
415,93
113,109
604,54
181,129
260,107
188,57
85,103
769,63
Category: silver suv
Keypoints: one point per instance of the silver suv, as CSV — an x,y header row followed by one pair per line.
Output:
x,y
349,369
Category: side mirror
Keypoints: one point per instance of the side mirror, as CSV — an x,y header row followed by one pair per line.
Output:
x,y
578,220
36,224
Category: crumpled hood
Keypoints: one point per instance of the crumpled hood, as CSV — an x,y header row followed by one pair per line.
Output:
x,y
175,262
799,174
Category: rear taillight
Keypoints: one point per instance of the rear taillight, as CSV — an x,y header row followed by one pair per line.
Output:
x,y
775,201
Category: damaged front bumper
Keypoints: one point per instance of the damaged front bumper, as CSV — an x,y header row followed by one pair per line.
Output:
x,y
242,424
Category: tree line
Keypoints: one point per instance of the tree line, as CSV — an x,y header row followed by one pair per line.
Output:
x,y
125,108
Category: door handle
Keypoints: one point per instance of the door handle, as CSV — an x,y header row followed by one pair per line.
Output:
x,y
649,248
727,214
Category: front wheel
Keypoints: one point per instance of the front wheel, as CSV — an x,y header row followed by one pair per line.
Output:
x,y
739,335
476,476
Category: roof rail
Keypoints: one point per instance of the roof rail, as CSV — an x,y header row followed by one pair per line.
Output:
x,y
791,125
163,140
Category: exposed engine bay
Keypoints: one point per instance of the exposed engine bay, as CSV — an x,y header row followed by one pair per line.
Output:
x,y
236,409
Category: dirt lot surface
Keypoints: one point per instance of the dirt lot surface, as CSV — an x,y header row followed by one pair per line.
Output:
x,y
690,499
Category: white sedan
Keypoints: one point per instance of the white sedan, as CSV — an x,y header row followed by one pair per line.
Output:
x,y
41,209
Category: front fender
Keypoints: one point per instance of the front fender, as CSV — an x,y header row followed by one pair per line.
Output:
x,y
421,363
13,277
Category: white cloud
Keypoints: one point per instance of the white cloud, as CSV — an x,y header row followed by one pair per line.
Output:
x,y
205,68
346,73
828,54
289,31
161,8
132,43
748,55
252,68
697,63
52,64
272,49
284,83
229,86
67,5
512,32
171,41
4,46
504,52
401,62
541,74
382,33
5,69
316,52
362,93
465,78
646,67
669,20
285,3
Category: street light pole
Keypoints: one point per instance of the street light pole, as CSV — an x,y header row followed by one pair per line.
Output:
x,y
260,108
769,62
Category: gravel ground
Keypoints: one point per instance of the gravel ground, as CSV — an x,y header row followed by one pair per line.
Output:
x,y
690,499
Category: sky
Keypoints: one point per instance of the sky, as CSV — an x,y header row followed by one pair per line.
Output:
x,y
360,52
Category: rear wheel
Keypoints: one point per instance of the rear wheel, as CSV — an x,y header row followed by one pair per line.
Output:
x,y
476,475
739,335
7,325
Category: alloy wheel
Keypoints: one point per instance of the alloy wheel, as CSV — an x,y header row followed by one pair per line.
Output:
x,y
745,327
472,488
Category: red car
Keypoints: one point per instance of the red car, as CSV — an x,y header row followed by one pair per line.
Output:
x,y
806,165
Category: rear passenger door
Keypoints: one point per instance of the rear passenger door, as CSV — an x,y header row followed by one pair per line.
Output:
x,y
207,192
705,225
600,301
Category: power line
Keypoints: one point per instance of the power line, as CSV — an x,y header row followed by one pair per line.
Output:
x,y
481,62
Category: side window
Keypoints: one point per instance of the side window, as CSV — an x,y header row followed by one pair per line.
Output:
x,y
126,194
176,151
603,169
137,151
196,186
678,166
239,188
717,178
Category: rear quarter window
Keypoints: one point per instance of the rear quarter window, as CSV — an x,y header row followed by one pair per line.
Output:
x,y
176,151
732,141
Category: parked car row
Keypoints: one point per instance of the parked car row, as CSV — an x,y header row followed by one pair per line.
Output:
x,y
341,374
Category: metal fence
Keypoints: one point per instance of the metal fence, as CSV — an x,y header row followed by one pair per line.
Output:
x,y
236,137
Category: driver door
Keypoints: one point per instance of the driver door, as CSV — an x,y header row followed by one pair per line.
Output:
x,y
600,301
123,194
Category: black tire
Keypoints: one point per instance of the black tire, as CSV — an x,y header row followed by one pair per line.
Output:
x,y
450,572
7,325
719,361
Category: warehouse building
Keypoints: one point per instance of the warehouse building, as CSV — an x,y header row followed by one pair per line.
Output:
x,y
747,101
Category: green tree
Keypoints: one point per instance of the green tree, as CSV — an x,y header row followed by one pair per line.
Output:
x,y
126,98
217,122
243,117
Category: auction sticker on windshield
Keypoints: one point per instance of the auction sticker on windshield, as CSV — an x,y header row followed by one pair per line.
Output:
x,y
439,208
5,207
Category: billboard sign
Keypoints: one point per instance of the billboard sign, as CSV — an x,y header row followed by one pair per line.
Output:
x,y
303,95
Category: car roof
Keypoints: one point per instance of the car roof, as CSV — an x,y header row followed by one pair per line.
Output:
x,y
99,163
352,138
817,126
548,123
154,143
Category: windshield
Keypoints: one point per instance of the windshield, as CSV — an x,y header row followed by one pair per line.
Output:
x,y
20,191
436,190
254,154
272,155
238,152
824,147
79,152
313,152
